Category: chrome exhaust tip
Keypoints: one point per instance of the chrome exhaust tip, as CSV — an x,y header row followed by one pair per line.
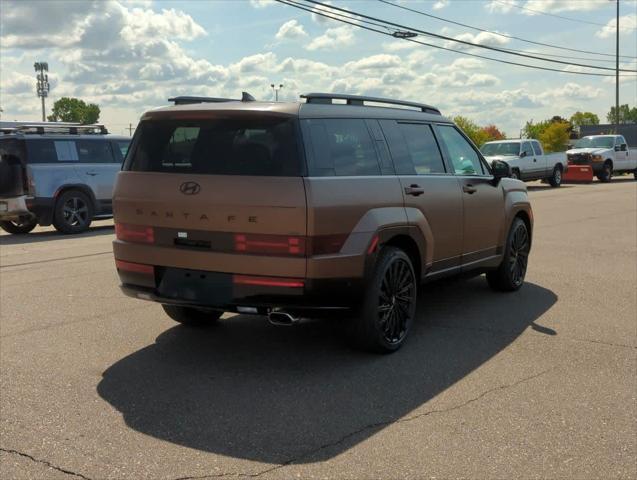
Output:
x,y
282,319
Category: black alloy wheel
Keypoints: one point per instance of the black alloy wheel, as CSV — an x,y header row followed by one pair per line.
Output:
x,y
509,276
73,212
389,307
21,226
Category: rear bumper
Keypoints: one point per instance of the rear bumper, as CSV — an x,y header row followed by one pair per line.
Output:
x,y
42,208
216,290
13,208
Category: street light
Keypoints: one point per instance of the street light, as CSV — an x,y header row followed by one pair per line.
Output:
x,y
43,83
276,89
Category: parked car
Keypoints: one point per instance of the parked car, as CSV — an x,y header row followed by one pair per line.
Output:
x,y
606,154
57,173
295,209
528,160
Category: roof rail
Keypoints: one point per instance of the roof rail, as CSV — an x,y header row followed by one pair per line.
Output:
x,y
66,128
189,100
327,98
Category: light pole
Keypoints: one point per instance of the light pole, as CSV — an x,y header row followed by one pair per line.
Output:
x,y
616,119
276,89
43,83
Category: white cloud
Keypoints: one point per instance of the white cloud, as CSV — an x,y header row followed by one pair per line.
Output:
x,y
261,3
291,30
147,24
399,45
557,6
627,24
482,38
496,6
333,38
440,4
375,62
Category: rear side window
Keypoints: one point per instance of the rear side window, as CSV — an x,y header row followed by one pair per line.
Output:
x,y
45,151
537,148
414,148
526,148
463,157
339,147
261,146
94,151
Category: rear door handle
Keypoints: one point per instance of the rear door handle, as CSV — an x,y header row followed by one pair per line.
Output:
x,y
414,190
92,174
470,189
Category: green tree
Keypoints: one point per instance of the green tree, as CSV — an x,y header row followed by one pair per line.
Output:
x,y
584,118
471,129
534,130
555,137
74,110
626,114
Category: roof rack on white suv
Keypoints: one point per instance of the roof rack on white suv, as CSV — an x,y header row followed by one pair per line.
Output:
x,y
57,128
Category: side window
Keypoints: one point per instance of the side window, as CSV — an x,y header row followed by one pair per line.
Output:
x,y
41,151
94,151
122,146
537,148
526,148
422,148
463,157
339,147
66,150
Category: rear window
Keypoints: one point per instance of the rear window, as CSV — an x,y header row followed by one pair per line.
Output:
x,y
260,146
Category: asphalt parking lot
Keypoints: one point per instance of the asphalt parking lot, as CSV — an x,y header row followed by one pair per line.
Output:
x,y
536,384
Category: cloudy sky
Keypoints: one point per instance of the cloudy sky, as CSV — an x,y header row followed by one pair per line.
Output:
x,y
130,56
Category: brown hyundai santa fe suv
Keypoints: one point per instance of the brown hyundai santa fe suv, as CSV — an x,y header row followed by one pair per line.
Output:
x,y
339,204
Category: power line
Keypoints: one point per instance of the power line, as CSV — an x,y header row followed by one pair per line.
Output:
x,y
540,12
513,37
364,19
341,18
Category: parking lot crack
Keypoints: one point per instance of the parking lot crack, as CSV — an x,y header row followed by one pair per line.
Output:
x,y
371,426
43,462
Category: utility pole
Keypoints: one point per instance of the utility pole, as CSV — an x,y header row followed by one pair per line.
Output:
x,y
43,83
276,89
617,73
130,129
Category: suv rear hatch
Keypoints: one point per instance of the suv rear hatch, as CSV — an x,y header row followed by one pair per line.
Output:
x,y
13,176
218,191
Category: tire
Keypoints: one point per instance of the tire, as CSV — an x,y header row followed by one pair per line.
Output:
x,y
509,276
607,172
73,212
192,317
555,180
22,226
385,318
635,174
515,173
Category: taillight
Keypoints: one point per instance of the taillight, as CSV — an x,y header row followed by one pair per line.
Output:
x,y
268,281
134,233
134,267
269,244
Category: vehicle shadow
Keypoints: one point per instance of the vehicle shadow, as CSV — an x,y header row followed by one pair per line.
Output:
x,y
248,390
53,235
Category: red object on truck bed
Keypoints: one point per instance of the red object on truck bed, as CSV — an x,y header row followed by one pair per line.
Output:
x,y
578,174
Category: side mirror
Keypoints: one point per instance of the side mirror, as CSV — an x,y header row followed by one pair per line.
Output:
x,y
500,170
522,154
623,147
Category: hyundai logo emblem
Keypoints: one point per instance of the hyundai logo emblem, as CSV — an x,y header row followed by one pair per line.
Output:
x,y
189,188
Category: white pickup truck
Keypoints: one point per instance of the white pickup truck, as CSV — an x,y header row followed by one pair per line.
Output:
x,y
527,160
606,154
